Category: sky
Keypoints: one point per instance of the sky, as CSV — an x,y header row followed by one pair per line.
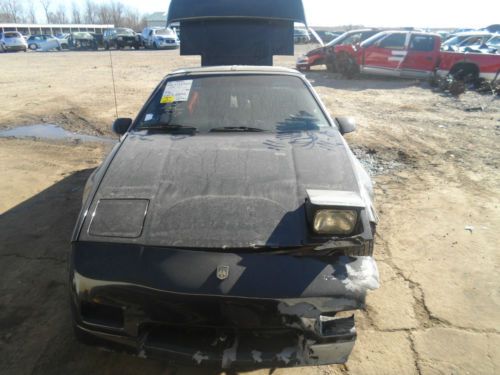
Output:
x,y
388,13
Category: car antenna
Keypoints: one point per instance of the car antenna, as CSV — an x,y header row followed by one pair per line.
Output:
x,y
114,86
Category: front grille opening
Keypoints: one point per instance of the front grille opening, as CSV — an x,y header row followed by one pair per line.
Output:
x,y
102,315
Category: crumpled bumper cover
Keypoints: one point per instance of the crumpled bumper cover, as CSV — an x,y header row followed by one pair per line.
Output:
x,y
271,311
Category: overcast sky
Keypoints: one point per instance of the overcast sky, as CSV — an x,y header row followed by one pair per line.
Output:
x,y
390,13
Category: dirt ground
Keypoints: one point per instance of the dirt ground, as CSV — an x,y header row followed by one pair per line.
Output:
x,y
435,161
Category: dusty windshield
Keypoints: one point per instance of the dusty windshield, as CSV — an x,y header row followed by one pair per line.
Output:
x,y
234,103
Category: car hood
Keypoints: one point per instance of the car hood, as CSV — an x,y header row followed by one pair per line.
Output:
x,y
216,190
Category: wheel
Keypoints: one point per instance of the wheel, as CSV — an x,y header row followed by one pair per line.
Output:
x,y
346,65
331,67
25,50
58,48
64,46
33,47
155,46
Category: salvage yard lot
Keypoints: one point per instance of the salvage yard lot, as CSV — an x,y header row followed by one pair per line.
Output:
x,y
435,161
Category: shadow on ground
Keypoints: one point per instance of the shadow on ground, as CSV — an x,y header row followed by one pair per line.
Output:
x,y
35,326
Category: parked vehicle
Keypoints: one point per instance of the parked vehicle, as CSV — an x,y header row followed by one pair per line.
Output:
x,y
301,36
327,36
326,55
391,53
12,41
231,227
63,40
158,38
120,38
456,41
99,39
413,55
43,43
82,41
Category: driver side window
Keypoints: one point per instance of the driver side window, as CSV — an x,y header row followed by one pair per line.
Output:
x,y
394,41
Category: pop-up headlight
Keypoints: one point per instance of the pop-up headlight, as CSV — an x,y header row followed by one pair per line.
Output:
x,y
332,212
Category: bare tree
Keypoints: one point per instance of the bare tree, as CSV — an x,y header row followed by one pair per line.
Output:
x,y
90,12
60,15
116,10
12,11
31,12
75,13
46,9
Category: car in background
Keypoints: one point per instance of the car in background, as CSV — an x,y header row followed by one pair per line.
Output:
x,y
82,40
63,40
12,41
43,42
121,37
492,45
99,38
301,36
326,55
158,38
456,41
327,36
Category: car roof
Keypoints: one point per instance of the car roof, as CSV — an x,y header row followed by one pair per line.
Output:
x,y
473,33
223,69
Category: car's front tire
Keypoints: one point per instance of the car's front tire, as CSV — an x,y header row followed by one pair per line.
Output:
x,y
33,46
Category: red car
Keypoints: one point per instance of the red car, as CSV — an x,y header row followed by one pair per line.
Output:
x,y
411,54
391,53
325,55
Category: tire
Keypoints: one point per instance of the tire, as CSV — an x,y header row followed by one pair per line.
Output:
x,y
33,46
155,46
346,65
331,67
457,87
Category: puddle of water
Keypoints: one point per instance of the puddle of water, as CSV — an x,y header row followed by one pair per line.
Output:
x,y
49,131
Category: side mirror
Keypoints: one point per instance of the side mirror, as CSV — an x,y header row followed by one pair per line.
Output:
x,y
121,125
346,124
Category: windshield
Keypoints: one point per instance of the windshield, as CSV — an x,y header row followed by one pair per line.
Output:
x,y
454,41
234,102
495,41
373,39
167,32
13,35
125,31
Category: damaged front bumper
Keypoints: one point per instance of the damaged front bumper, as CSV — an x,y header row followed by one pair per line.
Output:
x,y
265,311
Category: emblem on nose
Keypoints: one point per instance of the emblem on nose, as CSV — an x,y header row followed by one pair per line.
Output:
x,y
222,272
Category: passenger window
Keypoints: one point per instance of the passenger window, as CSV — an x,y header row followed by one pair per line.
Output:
x,y
394,41
422,43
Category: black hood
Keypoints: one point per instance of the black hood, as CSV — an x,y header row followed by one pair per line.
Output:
x,y
218,190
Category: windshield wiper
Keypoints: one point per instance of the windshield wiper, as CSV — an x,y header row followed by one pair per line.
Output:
x,y
169,128
237,129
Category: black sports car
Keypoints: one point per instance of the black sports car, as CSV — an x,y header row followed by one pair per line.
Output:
x,y
231,226
231,212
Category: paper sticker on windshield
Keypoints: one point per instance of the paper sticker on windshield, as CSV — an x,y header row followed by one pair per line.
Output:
x,y
177,91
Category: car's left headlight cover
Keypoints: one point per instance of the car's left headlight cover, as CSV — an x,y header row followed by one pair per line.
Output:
x,y
333,221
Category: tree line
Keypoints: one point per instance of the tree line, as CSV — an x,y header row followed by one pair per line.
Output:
x,y
48,11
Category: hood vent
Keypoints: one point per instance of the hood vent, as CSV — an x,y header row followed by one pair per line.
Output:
x,y
236,32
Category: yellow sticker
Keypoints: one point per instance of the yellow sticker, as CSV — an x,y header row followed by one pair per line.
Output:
x,y
167,99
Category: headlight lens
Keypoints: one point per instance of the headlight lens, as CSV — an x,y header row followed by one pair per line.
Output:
x,y
340,222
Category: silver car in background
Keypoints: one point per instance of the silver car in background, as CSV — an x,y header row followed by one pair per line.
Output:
x,y
160,38
43,43
12,41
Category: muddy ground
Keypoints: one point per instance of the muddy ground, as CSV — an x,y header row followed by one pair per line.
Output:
x,y
435,161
